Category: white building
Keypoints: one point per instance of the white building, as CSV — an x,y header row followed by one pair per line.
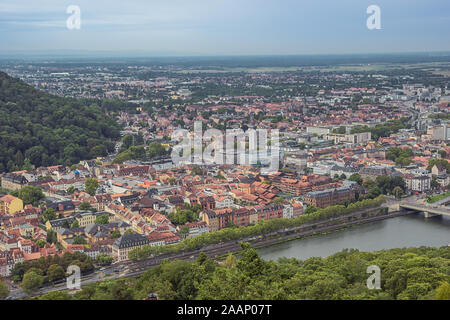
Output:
x,y
288,211
125,244
418,183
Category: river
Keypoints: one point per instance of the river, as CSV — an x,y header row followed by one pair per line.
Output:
x,y
412,230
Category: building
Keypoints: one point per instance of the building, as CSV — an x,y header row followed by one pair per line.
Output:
x,y
65,207
374,171
297,160
318,130
207,203
123,245
325,198
58,224
443,180
12,181
288,211
437,133
354,138
438,169
222,218
302,186
223,202
420,183
197,228
297,209
87,218
10,205
347,171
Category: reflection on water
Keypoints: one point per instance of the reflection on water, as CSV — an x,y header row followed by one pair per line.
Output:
x,y
407,231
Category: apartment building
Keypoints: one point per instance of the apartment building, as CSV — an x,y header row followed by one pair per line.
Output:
x,y
10,205
325,198
123,245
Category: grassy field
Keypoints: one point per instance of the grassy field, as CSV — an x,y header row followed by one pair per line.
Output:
x,y
438,197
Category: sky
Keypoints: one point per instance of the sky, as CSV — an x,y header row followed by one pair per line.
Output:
x,y
225,27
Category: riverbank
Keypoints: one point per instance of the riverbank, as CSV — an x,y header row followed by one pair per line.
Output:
x,y
328,229
315,229
411,230
278,244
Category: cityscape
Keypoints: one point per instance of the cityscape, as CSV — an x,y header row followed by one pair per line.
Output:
x,y
225,177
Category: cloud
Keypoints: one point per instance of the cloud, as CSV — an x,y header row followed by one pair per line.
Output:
x,y
226,26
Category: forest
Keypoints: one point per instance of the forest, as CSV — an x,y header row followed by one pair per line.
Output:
x,y
42,130
406,274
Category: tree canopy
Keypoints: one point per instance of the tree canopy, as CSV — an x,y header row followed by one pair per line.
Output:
x,y
41,129
406,274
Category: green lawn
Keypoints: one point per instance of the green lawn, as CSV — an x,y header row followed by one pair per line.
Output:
x,y
438,197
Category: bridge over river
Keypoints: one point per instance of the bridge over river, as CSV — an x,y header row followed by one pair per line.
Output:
x,y
429,209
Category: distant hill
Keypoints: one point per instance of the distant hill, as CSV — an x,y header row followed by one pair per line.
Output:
x,y
49,130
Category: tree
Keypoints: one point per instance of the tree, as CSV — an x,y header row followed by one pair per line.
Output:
x,y
156,149
134,152
102,219
442,162
129,231
400,156
104,260
52,236
70,190
356,177
79,240
31,281
250,263
278,200
48,215
85,206
55,272
56,295
41,243
230,261
339,130
374,192
30,195
27,165
311,209
434,183
184,231
75,224
127,142
39,129
90,186
115,234
443,291
4,291
398,192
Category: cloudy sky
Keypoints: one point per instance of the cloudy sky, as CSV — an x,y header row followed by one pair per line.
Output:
x,y
225,27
